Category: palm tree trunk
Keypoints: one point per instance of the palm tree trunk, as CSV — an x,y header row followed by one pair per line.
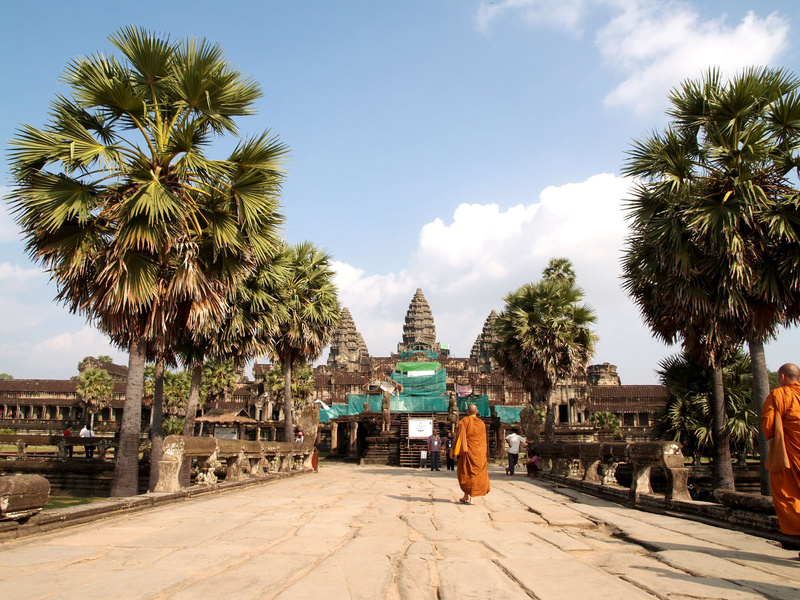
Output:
x,y
157,426
185,476
758,364
194,400
126,469
550,419
288,424
723,467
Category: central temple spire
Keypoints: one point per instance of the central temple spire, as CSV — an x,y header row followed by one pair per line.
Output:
x,y
418,326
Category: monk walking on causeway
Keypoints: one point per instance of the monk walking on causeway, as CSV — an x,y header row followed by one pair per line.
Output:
x,y
470,447
783,404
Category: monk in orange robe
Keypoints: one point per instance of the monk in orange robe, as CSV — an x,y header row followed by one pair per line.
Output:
x,y
785,400
470,447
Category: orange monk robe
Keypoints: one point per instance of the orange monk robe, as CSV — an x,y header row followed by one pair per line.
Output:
x,y
786,483
472,471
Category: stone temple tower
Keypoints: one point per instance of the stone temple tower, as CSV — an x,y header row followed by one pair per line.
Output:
x,y
347,345
419,325
482,348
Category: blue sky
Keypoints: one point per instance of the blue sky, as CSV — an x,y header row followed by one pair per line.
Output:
x,y
449,145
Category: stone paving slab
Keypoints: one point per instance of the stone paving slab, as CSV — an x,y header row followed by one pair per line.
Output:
x,y
380,532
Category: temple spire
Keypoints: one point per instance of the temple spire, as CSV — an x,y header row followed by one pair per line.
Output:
x,y
482,348
418,326
347,345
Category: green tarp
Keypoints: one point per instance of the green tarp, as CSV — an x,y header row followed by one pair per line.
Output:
x,y
337,410
508,414
403,404
423,385
410,353
355,403
405,367
482,402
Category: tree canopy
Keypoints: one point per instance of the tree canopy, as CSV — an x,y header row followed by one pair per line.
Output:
x,y
139,229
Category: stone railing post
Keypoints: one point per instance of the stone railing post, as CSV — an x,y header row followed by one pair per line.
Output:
x,y
22,450
169,467
590,461
62,448
102,448
612,453
235,466
677,472
308,456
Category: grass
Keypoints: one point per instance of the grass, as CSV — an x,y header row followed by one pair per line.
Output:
x,y
66,501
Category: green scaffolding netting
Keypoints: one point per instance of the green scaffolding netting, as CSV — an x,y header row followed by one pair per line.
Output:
x,y
355,403
402,404
423,385
482,402
508,414
410,353
406,367
335,411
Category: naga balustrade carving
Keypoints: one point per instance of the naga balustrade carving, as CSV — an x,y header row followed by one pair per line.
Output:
x,y
597,463
243,459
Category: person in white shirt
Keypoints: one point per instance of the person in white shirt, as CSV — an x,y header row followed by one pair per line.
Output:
x,y
299,438
513,441
86,432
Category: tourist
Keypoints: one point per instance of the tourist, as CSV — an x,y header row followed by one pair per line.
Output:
x,y
299,438
86,432
784,402
513,441
423,458
449,441
434,448
470,447
534,465
68,433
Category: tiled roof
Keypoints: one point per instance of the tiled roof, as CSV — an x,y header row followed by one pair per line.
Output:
x,y
52,386
633,392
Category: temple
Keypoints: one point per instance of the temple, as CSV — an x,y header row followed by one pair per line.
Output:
x,y
422,380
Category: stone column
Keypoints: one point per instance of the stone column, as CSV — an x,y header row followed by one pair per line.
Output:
x,y
334,437
353,448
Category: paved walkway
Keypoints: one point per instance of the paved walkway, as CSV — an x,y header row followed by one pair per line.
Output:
x,y
382,532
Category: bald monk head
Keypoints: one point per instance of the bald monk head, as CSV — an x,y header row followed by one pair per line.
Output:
x,y
472,409
788,373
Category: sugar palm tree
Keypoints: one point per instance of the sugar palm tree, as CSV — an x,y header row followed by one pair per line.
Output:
x,y
544,336
715,187
687,413
96,390
312,314
139,229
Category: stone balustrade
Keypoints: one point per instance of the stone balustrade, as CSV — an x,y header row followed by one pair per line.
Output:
x,y
22,496
101,444
244,459
597,462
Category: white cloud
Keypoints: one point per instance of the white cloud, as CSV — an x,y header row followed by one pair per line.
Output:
x,y
15,277
657,46
55,357
465,268
653,45
564,14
